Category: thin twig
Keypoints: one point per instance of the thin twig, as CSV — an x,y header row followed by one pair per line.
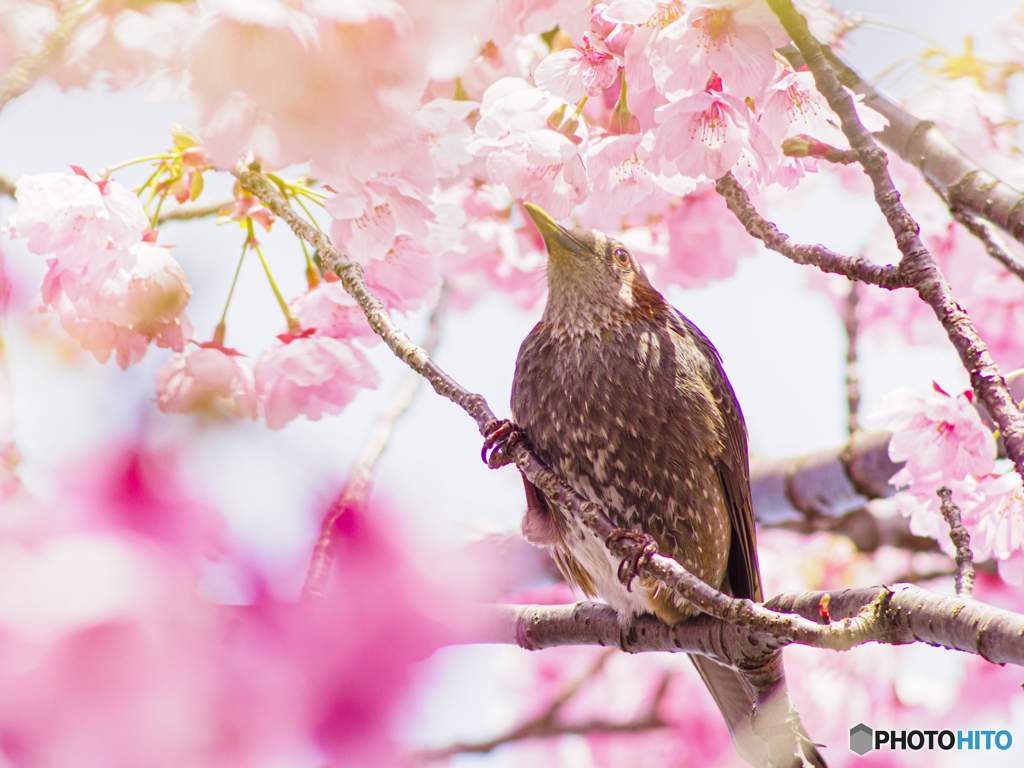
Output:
x,y
917,268
357,488
990,238
962,541
24,74
200,211
852,325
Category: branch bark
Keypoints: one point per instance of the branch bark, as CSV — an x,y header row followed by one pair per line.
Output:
x,y
964,579
917,268
960,181
895,615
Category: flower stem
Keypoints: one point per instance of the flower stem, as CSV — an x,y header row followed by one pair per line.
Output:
x,y
293,321
238,270
118,166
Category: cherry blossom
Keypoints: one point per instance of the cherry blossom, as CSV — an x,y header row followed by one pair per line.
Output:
x,y
936,435
310,376
328,308
208,379
523,152
576,72
707,133
734,39
406,278
310,82
518,17
620,179
76,218
368,216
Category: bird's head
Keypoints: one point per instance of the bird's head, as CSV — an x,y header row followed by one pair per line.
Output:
x,y
593,280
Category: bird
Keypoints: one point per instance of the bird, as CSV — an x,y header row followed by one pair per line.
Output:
x,y
627,400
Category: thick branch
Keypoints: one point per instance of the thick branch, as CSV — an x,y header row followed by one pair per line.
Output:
x,y
917,268
895,615
24,74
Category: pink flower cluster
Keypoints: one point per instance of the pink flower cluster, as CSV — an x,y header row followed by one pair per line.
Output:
x,y
944,442
114,289
111,654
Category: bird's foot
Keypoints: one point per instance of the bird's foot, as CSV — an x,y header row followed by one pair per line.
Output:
x,y
499,437
642,548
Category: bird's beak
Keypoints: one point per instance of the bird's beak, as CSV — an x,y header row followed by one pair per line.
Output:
x,y
557,239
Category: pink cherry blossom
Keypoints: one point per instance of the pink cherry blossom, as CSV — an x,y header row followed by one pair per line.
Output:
x,y
406,278
208,379
938,436
307,82
368,216
707,133
523,152
518,17
576,72
310,376
76,218
491,253
705,241
996,524
126,45
329,309
619,177
734,39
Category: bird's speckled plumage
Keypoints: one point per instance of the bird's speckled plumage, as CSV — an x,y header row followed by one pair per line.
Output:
x,y
627,400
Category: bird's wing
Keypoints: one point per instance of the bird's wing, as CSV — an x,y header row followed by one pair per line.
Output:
x,y
733,469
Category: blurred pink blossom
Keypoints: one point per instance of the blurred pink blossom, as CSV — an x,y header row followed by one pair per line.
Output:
x,y
368,216
329,309
310,376
406,278
207,379
76,218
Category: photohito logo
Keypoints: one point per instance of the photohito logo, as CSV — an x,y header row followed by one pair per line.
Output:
x,y
863,739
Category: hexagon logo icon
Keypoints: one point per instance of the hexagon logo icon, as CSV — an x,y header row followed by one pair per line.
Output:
x,y
861,739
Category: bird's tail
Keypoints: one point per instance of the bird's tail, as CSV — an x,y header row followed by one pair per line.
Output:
x,y
735,698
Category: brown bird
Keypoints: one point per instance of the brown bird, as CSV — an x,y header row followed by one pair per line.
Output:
x,y
626,399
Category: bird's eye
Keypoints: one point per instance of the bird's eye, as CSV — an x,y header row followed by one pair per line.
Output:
x,y
621,257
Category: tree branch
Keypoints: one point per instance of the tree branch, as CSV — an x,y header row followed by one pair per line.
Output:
x,y
357,488
852,326
894,615
917,268
7,187
961,539
24,74
958,178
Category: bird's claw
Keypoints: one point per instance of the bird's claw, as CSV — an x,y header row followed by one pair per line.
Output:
x,y
499,437
641,550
